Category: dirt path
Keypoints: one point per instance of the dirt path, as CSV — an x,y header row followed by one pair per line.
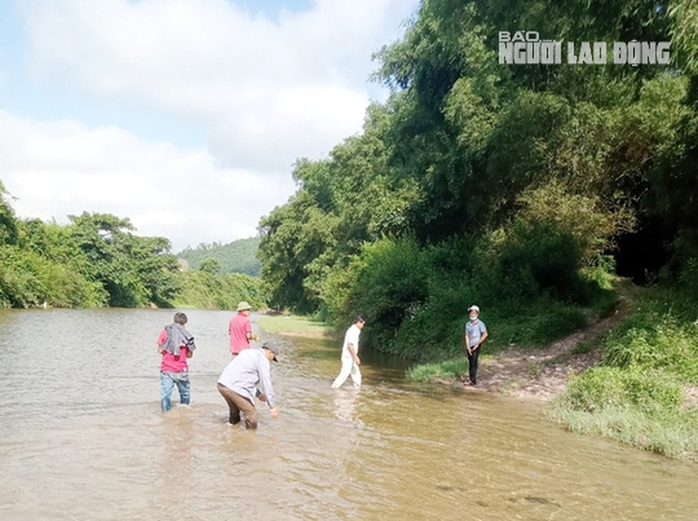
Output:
x,y
542,373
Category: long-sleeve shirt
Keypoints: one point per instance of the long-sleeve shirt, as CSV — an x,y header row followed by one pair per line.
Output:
x,y
245,372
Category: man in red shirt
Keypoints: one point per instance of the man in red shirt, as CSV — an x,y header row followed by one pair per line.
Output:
x,y
176,345
240,329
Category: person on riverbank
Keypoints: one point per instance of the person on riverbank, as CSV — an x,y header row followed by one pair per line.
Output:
x,y
176,345
239,380
240,329
475,335
350,355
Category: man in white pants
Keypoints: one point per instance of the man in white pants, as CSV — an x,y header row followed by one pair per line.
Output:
x,y
350,355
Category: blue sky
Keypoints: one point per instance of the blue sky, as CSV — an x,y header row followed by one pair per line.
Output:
x,y
133,106
273,8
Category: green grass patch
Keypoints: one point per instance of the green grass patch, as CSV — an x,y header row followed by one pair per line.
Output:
x,y
582,348
444,370
294,325
637,394
672,432
533,325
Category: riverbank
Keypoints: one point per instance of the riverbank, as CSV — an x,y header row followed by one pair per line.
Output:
x,y
518,369
291,325
631,377
541,374
537,374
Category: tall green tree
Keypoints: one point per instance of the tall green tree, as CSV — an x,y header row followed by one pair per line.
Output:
x,y
341,203
133,270
8,221
210,265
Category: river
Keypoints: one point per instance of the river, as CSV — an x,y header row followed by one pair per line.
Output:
x,y
82,438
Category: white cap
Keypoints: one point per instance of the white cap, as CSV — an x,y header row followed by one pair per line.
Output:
x,y
474,308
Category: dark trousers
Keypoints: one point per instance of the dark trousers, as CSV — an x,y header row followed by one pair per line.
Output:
x,y
472,364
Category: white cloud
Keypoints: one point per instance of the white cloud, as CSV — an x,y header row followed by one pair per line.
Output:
x,y
268,92
265,93
64,168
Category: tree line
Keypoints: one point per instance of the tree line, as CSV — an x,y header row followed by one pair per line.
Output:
x,y
98,260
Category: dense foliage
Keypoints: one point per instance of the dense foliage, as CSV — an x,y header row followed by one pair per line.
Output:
x,y
43,265
205,290
98,260
235,257
511,186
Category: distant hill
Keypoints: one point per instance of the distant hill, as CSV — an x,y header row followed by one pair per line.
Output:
x,y
235,257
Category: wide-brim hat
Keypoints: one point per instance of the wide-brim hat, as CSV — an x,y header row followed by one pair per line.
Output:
x,y
242,306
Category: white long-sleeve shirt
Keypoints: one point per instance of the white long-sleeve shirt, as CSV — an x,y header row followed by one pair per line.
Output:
x,y
245,372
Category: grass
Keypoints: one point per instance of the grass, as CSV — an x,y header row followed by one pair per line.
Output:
x,y
582,348
637,395
294,326
533,325
671,432
447,369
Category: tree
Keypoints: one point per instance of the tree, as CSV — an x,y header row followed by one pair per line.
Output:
x,y
210,265
8,221
133,270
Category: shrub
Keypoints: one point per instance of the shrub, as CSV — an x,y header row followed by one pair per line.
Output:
x,y
602,388
29,280
207,291
654,337
390,286
528,260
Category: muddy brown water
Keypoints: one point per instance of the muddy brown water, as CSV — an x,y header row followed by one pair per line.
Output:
x,y
82,438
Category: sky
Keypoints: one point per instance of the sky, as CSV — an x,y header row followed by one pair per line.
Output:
x,y
186,116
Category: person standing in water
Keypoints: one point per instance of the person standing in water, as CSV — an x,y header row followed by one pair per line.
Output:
x,y
238,384
350,355
240,329
176,345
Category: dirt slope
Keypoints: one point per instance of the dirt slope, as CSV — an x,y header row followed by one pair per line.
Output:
x,y
542,373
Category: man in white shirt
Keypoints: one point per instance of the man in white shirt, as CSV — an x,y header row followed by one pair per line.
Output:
x,y
238,383
350,355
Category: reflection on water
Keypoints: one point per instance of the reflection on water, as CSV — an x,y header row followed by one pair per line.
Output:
x,y
345,405
82,438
